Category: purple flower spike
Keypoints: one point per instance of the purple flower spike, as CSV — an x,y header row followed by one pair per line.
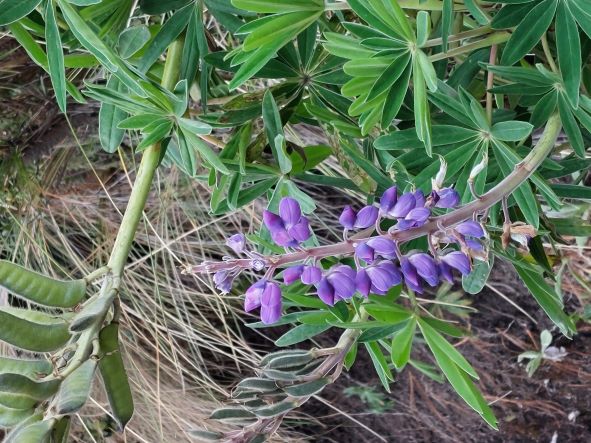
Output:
x,y
348,217
363,282
271,304
311,275
366,217
382,246
223,281
292,274
426,267
290,212
448,198
411,278
403,206
365,252
470,228
237,242
254,294
458,260
389,199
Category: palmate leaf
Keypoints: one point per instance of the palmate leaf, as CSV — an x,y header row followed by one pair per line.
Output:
x,y
267,35
568,45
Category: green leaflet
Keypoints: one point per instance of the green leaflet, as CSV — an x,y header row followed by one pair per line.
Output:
x,y
55,56
529,31
11,10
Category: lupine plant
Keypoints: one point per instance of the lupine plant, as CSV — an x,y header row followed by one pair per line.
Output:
x,y
442,116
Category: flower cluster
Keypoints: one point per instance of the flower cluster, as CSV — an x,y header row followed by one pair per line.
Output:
x,y
379,262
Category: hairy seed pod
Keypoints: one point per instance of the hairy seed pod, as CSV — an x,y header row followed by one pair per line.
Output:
x,y
34,432
10,417
92,312
33,330
75,389
29,368
114,376
61,430
20,392
39,288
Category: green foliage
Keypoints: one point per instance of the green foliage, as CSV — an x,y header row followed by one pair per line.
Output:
x,y
397,88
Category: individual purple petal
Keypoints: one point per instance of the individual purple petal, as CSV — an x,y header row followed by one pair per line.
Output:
x,y
366,217
393,270
345,269
445,272
237,242
223,281
458,260
292,274
271,304
272,221
419,215
403,225
289,211
389,199
474,244
326,292
348,217
426,267
419,198
301,230
282,238
365,252
253,295
470,228
382,246
411,278
311,275
363,282
343,284
448,198
403,206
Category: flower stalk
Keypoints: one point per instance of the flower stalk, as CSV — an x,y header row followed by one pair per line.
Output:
x,y
521,173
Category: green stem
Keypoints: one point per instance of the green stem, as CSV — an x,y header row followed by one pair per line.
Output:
x,y
427,5
145,175
493,39
477,32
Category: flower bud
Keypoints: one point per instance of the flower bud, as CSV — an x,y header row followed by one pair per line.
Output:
x,y
437,182
311,275
366,217
448,198
426,267
388,200
458,260
237,242
348,217
271,303
292,274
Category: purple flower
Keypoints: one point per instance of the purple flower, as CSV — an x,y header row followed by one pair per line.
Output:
x,y
363,282
223,281
382,246
445,272
366,217
253,295
267,296
470,228
403,206
338,284
426,267
388,200
415,218
419,198
458,260
365,252
237,242
383,276
348,218
290,227
311,275
411,277
271,304
292,274
447,198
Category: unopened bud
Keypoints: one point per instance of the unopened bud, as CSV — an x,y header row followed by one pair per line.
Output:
x,y
477,169
437,182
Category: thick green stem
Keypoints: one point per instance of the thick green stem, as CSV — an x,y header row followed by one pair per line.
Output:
x,y
145,175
